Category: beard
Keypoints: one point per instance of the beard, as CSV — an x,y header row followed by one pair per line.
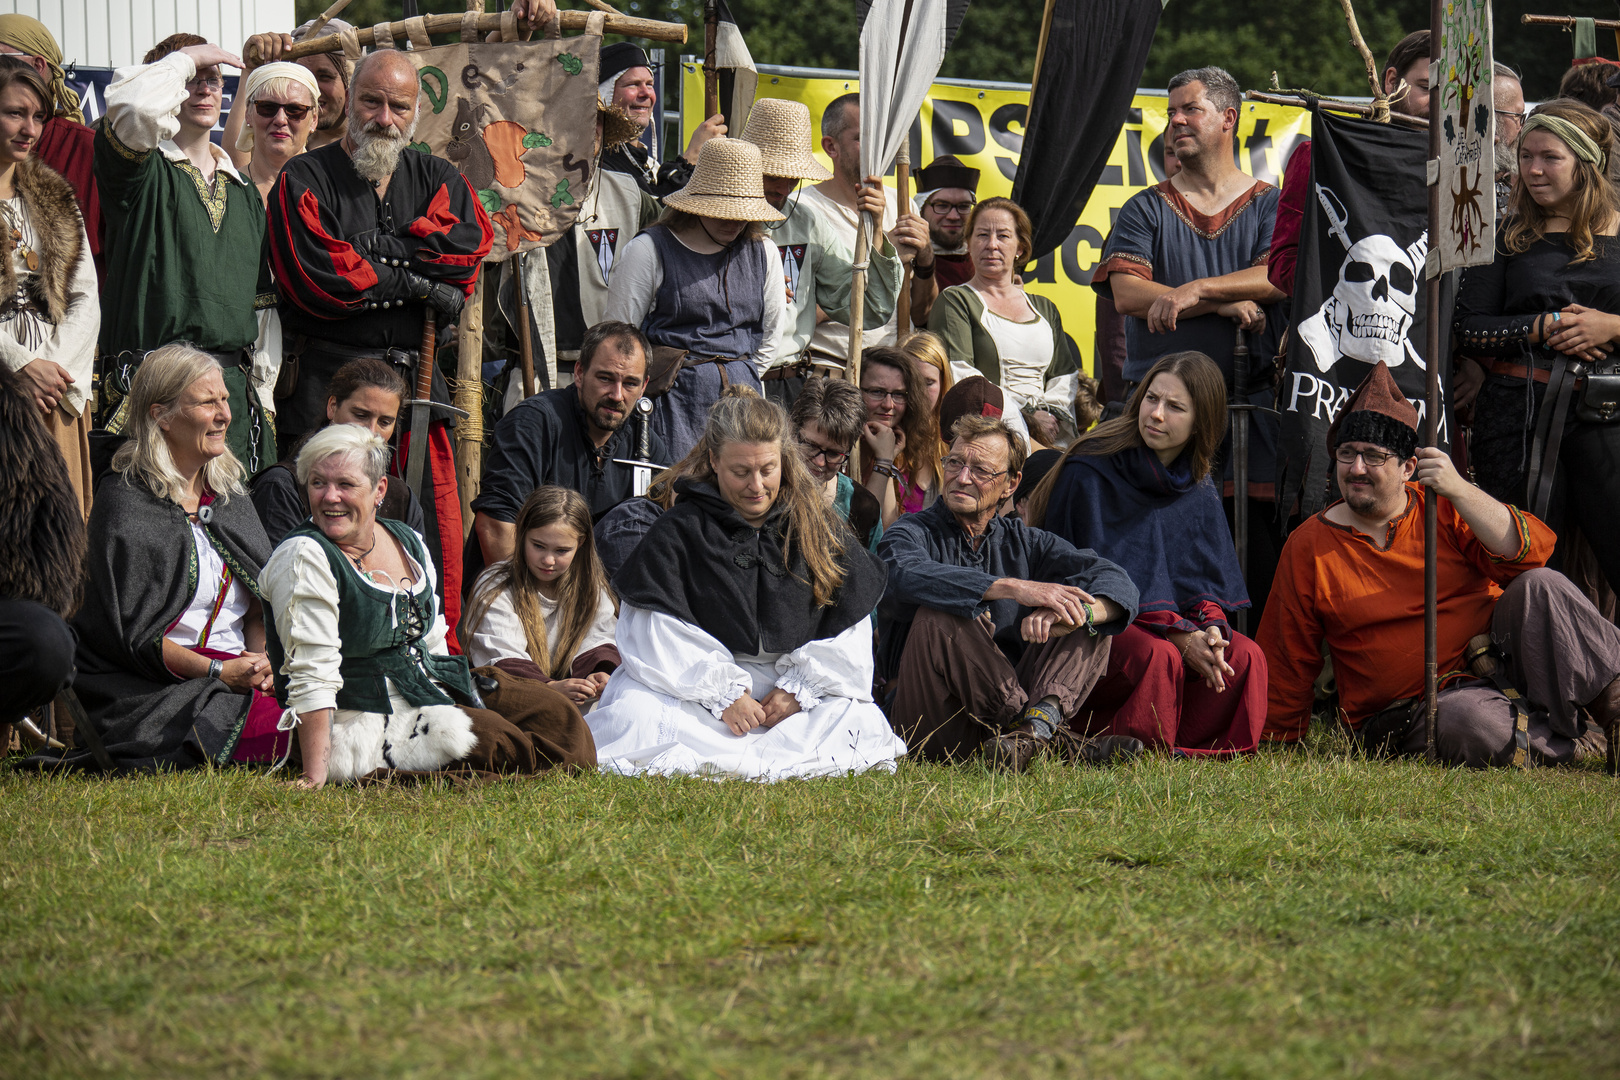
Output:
x,y
1507,161
377,148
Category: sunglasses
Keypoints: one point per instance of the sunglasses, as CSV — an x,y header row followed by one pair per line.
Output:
x,y
295,113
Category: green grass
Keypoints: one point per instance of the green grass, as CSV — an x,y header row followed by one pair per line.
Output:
x,y
1292,914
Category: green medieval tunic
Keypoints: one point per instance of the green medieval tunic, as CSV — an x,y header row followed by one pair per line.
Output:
x,y
187,260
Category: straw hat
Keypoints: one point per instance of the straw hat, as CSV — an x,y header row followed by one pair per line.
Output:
x,y
781,130
727,183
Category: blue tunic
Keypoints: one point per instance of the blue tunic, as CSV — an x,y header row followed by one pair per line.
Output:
x,y
1161,237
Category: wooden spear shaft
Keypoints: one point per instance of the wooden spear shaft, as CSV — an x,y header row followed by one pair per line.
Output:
x,y
1431,523
451,23
902,201
711,74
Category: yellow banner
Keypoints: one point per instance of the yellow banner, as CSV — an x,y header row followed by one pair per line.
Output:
x,y
985,129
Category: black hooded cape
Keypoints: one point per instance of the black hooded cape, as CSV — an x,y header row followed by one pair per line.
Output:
x,y
703,564
142,574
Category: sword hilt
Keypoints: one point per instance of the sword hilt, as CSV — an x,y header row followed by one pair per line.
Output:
x,y
424,355
644,408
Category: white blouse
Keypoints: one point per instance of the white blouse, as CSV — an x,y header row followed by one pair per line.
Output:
x,y
1025,348
25,338
298,585
226,633
499,634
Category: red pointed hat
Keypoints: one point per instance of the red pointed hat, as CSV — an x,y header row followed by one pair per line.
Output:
x,y
1377,413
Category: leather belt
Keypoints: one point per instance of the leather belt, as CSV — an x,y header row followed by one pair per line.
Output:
x,y
801,367
1549,436
1517,371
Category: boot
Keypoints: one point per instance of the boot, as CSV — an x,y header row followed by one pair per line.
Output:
x,y
1605,711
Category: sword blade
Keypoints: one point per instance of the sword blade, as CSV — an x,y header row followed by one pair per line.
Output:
x,y
422,409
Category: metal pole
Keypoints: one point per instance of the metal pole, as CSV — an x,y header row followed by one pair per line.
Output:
x,y
1431,666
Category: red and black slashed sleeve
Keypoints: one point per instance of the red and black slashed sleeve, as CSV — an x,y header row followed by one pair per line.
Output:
x,y
316,269
454,234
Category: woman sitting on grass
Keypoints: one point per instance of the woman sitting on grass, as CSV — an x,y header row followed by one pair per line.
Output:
x,y
547,613
1138,491
171,664
745,627
357,641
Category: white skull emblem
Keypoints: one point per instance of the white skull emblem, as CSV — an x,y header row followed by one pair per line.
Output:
x,y
1377,294
1369,314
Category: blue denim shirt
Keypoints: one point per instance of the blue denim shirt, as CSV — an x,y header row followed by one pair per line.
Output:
x,y
932,563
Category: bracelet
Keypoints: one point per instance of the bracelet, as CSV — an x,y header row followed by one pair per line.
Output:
x,y
920,271
215,668
1091,627
884,468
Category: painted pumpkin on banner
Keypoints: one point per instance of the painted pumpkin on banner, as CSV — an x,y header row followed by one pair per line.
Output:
x,y
519,120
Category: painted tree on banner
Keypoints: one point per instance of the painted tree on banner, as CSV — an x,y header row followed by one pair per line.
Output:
x,y
1466,230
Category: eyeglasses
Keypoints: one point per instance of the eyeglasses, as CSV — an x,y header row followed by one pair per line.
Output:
x,y
945,209
1516,117
295,113
210,84
879,396
1372,458
830,458
952,467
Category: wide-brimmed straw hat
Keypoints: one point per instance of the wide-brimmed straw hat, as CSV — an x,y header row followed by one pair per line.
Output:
x,y
727,183
781,130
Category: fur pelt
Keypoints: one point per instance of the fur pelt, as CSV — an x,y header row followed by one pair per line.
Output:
x,y
54,213
42,534
418,740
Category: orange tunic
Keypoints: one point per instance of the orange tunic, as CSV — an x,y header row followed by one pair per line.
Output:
x,y
1333,584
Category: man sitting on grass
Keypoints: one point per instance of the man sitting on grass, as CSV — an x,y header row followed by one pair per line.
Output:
x,y
1353,576
993,633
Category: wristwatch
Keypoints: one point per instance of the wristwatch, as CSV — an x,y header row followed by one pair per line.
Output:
x,y
215,668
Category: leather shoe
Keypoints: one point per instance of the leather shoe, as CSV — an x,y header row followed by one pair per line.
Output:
x,y
1097,749
1013,750
1605,710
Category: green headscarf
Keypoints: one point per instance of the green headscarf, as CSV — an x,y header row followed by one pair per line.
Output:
x,y
29,35
1576,139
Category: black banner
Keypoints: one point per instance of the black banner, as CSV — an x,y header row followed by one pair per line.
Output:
x,y
1358,290
1092,56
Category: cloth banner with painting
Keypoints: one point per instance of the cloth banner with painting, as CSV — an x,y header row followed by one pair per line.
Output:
x,y
518,119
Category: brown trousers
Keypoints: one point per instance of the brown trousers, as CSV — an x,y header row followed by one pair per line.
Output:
x,y
955,688
1559,652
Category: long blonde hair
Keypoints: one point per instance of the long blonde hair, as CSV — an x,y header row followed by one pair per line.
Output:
x,y
1595,199
928,348
577,593
163,377
810,522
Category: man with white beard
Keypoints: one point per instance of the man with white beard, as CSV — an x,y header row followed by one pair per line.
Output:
x,y
367,238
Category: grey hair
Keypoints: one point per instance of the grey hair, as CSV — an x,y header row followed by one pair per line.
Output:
x,y
165,375
364,64
1502,71
1219,86
833,404
345,441
835,119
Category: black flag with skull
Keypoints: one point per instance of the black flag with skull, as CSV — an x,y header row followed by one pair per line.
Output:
x,y
1358,291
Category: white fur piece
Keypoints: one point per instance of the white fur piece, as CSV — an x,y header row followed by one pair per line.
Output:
x,y
418,739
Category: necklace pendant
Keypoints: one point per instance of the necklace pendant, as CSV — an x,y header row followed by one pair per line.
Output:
x,y
32,259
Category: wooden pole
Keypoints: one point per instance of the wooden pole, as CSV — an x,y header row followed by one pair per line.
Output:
x,y
525,332
469,395
1431,523
902,202
711,74
451,24
1353,107
1380,105
857,296
325,17
1566,21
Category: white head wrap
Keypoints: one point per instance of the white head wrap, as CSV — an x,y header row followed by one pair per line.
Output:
x,y
262,74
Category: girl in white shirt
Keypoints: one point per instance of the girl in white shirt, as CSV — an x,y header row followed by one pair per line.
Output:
x,y
547,613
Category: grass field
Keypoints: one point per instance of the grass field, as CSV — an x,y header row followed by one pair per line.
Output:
x,y
1289,915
